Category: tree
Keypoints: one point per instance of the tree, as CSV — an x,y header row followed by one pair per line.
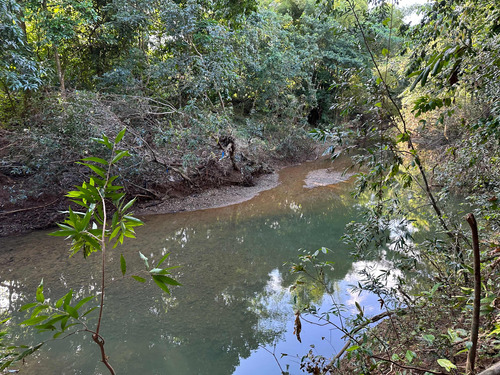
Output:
x,y
90,231
19,70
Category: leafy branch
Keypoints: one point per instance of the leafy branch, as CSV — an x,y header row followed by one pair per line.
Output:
x,y
90,231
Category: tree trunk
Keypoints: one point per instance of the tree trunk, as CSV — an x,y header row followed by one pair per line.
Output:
x,y
471,358
60,72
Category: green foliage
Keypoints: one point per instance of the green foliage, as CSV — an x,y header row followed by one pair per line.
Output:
x,y
159,275
90,231
425,272
58,317
19,71
456,45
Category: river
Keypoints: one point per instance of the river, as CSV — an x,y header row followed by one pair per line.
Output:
x,y
235,306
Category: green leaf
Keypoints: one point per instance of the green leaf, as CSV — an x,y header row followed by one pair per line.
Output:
x,y
429,338
128,205
67,297
97,160
123,264
385,51
59,302
159,271
161,284
446,364
114,233
166,280
410,356
120,135
28,306
136,221
28,352
99,171
49,325
105,141
403,137
89,311
437,67
358,306
138,278
353,348
425,75
83,302
395,357
417,80
64,321
39,293
119,156
71,311
38,309
34,320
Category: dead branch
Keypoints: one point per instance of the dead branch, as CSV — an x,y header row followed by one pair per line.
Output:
x,y
414,368
29,208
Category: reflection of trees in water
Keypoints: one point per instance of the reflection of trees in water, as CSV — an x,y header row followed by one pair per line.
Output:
x,y
234,296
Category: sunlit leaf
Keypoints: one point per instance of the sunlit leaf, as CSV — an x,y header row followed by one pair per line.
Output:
x,y
39,293
446,364
144,258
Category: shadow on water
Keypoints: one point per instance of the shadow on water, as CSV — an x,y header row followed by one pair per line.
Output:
x,y
235,297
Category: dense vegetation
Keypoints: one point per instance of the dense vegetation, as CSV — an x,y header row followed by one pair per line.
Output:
x,y
192,81
211,91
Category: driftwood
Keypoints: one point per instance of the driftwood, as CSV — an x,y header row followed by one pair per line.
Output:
x,y
228,145
493,370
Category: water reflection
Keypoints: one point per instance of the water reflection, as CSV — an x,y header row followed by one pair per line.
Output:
x,y
235,296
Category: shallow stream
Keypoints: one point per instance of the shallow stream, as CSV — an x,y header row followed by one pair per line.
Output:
x,y
235,307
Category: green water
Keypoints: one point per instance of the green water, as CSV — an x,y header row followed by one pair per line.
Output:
x,y
234,305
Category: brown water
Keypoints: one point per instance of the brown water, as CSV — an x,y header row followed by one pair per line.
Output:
x,y
234,301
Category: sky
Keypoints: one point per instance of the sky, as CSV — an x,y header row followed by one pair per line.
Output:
x,y
411,2
413,19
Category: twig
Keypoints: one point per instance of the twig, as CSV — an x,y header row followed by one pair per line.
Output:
x,y
407,367
29,208
273,353
155,159
145,189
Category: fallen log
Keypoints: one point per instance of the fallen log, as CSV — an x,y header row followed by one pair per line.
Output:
x,y
493,370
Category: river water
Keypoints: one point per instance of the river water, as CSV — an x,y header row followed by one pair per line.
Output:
x,y
234,308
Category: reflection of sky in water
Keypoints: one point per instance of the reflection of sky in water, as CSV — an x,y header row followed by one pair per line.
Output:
x,y
324,340
235,296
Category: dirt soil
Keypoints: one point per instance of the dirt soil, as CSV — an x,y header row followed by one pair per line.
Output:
x,y
210,198
43,211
